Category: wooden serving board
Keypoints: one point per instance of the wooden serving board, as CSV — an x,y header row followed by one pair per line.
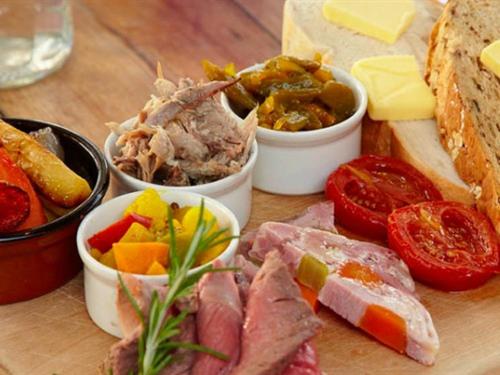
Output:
x,y
108,77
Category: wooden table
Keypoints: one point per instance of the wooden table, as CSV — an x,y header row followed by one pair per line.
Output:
x,y
109,77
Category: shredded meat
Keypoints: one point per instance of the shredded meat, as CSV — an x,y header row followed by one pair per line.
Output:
x,y
184,136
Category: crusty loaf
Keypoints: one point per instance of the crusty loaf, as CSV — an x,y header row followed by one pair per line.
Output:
x,y
306,32
468,96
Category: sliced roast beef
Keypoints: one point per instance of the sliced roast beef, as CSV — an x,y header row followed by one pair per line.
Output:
x,y
244,276
368,285
391,315
185,358
305,361
219,321
333,249
122,356
142,292
278,321
318,216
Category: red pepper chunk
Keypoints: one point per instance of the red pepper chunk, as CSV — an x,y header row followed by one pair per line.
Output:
x,y
310,295
104,240
360,272
386,326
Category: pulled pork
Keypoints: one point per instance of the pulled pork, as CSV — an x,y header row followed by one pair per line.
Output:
x,y
184,136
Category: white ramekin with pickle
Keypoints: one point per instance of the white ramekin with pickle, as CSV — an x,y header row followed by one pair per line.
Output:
x,y
309,119
131,234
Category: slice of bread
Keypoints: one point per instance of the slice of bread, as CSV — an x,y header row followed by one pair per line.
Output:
x,y
408,138
306,32
468,96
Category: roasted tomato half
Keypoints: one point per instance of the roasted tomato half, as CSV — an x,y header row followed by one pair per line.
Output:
x,y
446,245
366,190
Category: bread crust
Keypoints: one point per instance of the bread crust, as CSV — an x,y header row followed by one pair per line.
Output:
x,y
474,160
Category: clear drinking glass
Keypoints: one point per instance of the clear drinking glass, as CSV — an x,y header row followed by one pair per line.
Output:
x,y
36,37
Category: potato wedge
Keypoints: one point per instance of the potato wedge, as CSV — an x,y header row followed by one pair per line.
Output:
x,y
54,179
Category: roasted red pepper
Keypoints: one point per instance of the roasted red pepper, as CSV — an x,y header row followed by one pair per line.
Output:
x,y
104,240
14,206
17,213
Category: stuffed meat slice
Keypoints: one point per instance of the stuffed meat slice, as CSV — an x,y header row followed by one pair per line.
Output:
x,y
366,284
391,315
332,249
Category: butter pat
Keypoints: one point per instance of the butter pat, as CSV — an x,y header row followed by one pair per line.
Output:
x,y
382,19
490,57
396,90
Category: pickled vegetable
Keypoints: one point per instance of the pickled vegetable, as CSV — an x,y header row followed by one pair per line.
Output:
x,y
137,233
292,94
53,178
139,244
136,257
150,204
312,272
108,259
156,269
237,93
339,98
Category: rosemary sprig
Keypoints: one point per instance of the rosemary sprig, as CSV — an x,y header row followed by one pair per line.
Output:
x,y
156,346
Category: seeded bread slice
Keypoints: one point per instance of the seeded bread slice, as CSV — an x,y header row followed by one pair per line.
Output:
x,y
468,96
306,31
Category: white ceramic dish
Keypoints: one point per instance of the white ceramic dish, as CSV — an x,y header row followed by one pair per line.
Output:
x,y
100,281
234,191
299,163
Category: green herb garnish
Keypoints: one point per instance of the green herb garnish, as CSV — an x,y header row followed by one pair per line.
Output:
x,y
156,346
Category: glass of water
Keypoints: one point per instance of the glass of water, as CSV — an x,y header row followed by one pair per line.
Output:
x,y
36,37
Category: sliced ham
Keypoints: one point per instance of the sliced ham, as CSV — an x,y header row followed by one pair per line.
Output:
x,y
333,249
382,297
318,216
219,321
278,321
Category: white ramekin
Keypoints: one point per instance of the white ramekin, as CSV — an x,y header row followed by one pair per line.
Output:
x,y
233,191
100,281
299,163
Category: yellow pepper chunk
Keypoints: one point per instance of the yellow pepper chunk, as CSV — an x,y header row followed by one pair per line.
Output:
x,y
191,217
95,253
230,69
210,254
156,269
137,233
138,257
150,204
108,259
182,241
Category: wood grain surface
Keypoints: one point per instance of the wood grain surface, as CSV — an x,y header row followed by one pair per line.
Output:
x,y
109,77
